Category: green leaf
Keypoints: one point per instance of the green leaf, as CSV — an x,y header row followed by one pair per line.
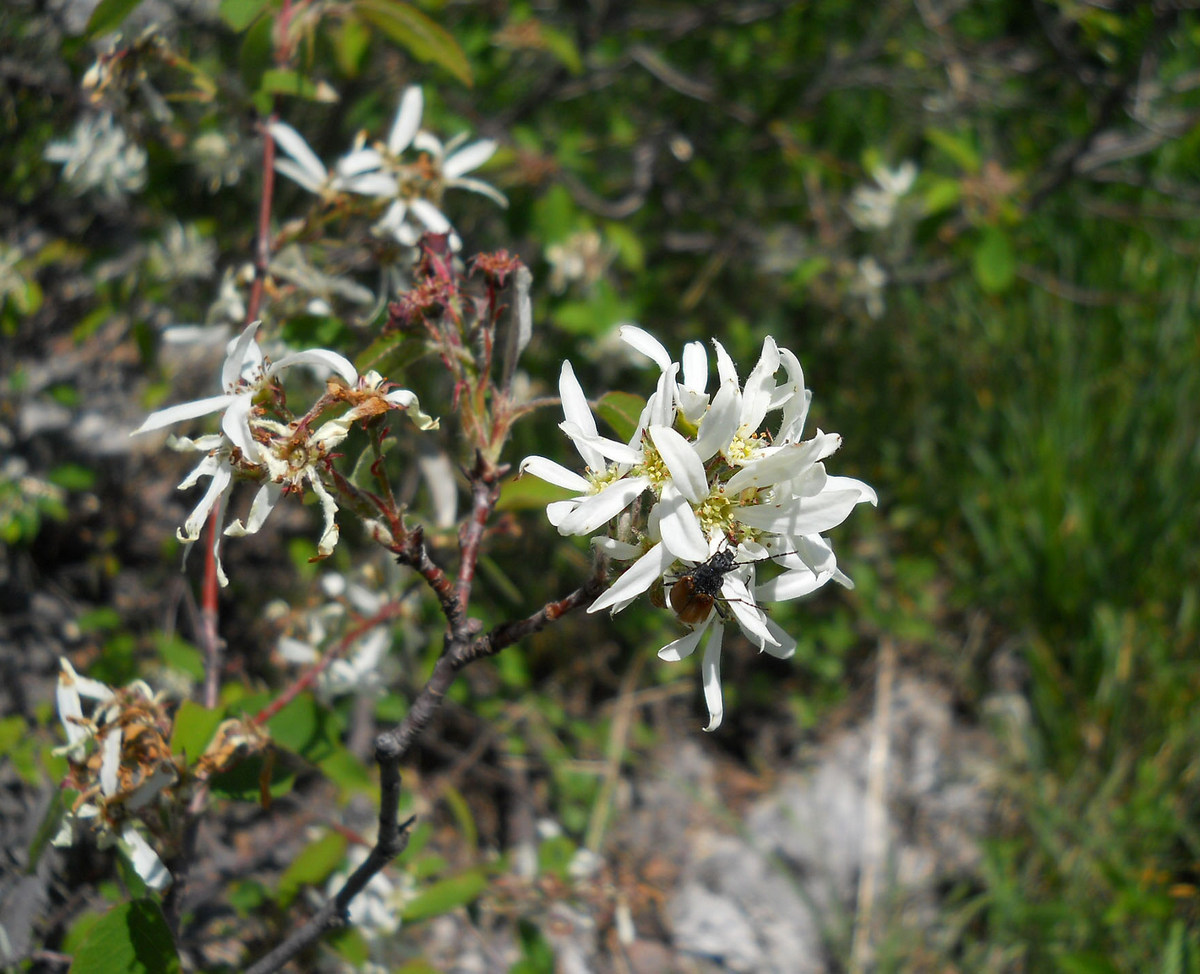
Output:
x,y
629,247
527,493
179,654
555,855
315,864
132,937
561,47
994,262
108,16
959,148
243,781
446,895
194,728
73,476
419,35
284,81
942,194
351,39
240,14
1086,962
621,410
254,58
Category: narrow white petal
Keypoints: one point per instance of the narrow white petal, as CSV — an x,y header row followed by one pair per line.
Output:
x,y
358,162
264,503
576,410
695,367
660,409
785,645
791,585
612,449
760,385
301,176
144,860
110,761
184,410
687,470
239,353
679,526
559,511
221,479
850,483
428,142
749,616
597,510
810,515
235,424
685,645
329,537
205,468
292,142
619,550
381,185
408,120
318,356
430,215
554,473
635,580
647,344
482,188
786,463
468,158
726,370
407,400
710,671
70,708
296,651
720,422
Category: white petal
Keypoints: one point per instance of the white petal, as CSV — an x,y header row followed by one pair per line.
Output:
x,y
554,473
482,188
295,651
221,479
726,370
791,585
849,483
635,580
576,410
749,616
785,463
685,645
407,400
760,385
428,142
381,185
468,158
647,344
679,526
264,502
236,425
301,176
619,550
329,537
710,671
660,409
810,515
597,510
408,120
358,162
144,860
687,470
292,142
205,468
184,410
110,761
559,511
612,449
70,709
720,422
430,215
318,356
785,645
239,353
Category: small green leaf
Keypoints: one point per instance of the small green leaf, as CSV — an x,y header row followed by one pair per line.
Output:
x,y
194,728
446,895
959,148
942,194
621,410
419,35
240,14
179,654
108,16
527,493
315,864
350,43
994,262
561,47
133,938
284,81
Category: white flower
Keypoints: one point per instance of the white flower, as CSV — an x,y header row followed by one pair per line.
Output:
x,y
99,155
874,207
868,285
728,495
356,172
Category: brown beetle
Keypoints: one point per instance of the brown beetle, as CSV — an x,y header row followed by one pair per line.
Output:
x,y
695,591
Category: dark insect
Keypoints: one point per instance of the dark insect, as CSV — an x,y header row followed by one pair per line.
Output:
x,y
695,591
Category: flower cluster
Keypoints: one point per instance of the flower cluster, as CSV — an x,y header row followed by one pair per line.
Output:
x,y
100,156
702,494
121,765
413,187
281,456
874,207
